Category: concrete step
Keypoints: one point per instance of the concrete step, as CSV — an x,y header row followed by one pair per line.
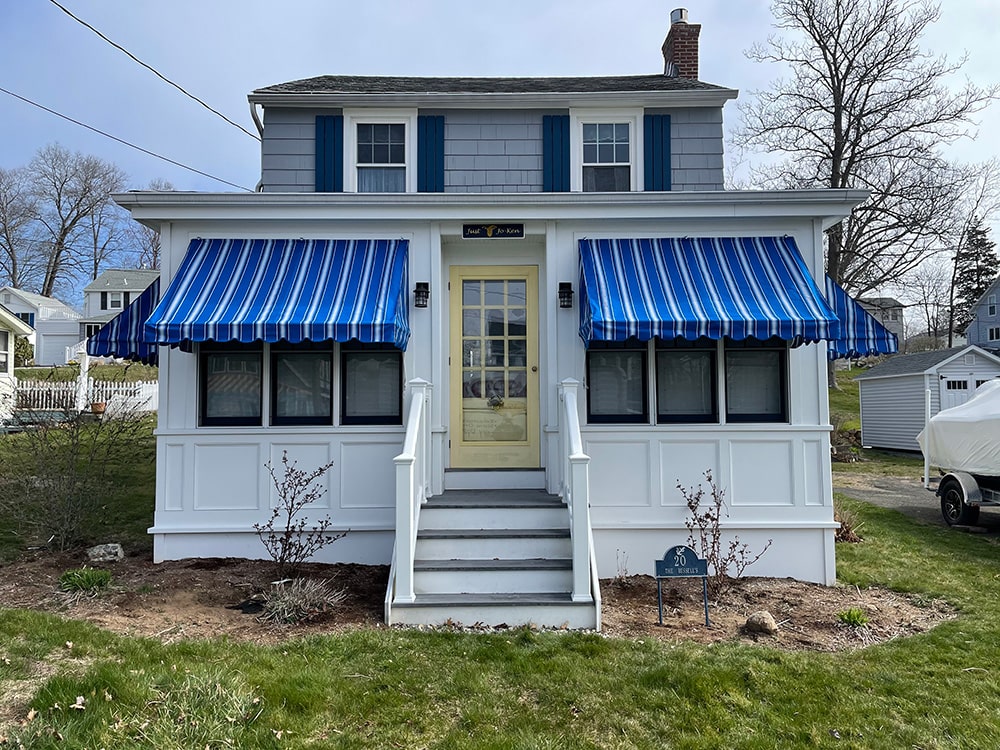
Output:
x,y
463,479
489,544
550,610
504,576
494,509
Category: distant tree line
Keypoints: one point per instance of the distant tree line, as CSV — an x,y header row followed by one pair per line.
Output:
x,y
59,225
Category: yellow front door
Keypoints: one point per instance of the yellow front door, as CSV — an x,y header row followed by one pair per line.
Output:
x,y
494,367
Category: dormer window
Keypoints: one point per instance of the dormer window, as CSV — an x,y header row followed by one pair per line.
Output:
x,y
607,157
381,157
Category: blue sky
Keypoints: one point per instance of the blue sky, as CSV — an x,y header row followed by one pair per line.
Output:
x,y
220,50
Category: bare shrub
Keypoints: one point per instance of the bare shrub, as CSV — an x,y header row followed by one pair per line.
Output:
x,y
300,600
287,535
726,562
57,473
849,524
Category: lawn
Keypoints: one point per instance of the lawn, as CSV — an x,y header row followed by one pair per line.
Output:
x,y
378,687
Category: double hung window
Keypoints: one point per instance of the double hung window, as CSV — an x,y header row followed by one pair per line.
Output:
x,y
607,157
381,157
991,305
302,382
4,352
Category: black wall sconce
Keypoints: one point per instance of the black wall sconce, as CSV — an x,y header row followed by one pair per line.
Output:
x,y
421,293
565,294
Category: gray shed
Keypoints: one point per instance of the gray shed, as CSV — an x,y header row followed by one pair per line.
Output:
x,y
892,393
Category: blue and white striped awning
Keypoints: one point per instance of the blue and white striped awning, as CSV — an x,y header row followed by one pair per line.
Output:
x,y
737,287
861,335
286,290
124,335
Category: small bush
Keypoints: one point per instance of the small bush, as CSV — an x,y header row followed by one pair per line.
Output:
x,y
854,617
85,580
300,600
849,525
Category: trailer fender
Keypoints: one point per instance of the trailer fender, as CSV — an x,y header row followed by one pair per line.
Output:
x,y
969,486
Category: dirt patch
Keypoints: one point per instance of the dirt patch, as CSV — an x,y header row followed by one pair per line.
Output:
x,y
199,598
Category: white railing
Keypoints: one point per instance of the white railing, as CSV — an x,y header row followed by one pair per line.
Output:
x,y
412,485
42,395
576,489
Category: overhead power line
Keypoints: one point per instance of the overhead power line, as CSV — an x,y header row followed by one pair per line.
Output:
x,y
124,142
155,72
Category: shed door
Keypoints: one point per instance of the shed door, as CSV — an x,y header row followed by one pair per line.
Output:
x,y
956,390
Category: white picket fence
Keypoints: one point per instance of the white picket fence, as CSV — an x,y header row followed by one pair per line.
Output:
x,y
41,395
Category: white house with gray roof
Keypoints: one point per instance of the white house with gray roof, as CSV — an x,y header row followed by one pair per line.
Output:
x,y
515,313
11,326
894,393
110,293
56,324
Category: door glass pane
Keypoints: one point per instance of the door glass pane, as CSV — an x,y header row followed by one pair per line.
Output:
x,y
471,325
517,353
472,386
495,358
471,292
494,293
494,322
516,320
517,384
516,293
471,353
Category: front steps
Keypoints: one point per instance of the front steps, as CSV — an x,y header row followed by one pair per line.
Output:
x,y
494,557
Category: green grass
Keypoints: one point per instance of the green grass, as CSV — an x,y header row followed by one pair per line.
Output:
x,y
845,403
128,373
521,689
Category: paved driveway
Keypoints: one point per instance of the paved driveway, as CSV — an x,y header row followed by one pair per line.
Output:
x,y
908,496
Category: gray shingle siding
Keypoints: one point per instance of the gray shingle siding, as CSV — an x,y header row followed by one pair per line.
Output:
x,y
489,151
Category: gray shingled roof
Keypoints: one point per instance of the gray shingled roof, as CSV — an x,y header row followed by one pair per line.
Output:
x,y
910,364
122,280
376,85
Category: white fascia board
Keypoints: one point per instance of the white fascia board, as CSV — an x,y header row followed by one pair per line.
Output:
x,y
541,100
10,322
156,207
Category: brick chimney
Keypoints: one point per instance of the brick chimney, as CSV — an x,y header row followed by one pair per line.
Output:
x,y
680,48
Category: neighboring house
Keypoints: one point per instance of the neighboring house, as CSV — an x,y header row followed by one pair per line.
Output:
x,y
109,294
11,326
56,324
481,297
888,311
984,330
893,394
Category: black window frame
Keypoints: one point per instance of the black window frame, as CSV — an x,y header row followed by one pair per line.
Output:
x,y
703,345
631,345
280,349
771,345
205,351
354,346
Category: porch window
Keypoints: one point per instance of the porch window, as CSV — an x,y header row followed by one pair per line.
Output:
x,y
231,385
607,157
301,384
755,383
372,389
685,384
381,157
616,382
4,352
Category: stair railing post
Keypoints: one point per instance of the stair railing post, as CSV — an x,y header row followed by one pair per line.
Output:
x,y
576,478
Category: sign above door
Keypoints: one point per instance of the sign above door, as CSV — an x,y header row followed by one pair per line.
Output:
x,y
492,231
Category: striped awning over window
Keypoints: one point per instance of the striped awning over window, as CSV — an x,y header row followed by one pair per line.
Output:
x,y
286,290
124,336
861,335
692,287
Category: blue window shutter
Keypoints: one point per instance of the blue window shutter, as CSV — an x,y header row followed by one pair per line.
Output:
x,y
656,148
555,153
430,153
329,154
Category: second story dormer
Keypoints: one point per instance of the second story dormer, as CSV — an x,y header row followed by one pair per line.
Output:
x,y
396,134
114,289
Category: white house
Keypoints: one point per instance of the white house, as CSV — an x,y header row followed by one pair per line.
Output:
x,y
894,394
56,324
516,313
11,326
110,293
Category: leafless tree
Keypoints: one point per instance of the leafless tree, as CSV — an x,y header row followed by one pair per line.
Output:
x,y
146,241
864,107
19,256
926,293
69,188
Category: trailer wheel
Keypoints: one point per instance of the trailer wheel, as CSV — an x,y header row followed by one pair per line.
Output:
x,y
953,506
